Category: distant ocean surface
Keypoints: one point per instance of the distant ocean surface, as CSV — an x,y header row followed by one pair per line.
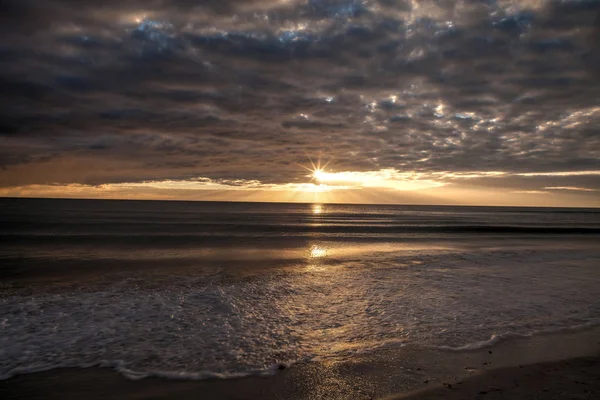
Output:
x,y
207,289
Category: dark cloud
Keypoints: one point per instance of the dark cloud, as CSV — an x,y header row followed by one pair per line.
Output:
x,y
130,90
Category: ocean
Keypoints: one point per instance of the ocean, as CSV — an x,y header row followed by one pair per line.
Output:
x,y
194,290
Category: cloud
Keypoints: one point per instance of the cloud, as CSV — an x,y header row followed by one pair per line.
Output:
x,y
245,91
573,188
530,192
562,173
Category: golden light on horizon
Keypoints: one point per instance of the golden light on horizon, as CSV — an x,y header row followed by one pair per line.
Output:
x,y
386,178
323,186
314,188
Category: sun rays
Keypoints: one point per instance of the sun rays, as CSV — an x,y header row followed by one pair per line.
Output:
x,y
319,182
316,170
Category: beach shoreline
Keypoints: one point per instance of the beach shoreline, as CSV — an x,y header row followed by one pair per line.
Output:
x,y
576,378
557,363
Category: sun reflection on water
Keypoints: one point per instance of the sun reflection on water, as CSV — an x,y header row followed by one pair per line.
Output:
x,y
317,208
316,258
317,252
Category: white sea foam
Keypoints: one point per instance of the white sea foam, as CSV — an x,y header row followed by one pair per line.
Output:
x,y
185,327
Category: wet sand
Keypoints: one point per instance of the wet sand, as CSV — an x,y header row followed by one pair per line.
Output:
x,y
577,378
557,366
568,379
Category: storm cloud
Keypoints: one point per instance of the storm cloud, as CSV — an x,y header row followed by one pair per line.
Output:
x,y
131,91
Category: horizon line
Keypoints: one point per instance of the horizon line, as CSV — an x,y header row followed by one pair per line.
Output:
x,y
296,202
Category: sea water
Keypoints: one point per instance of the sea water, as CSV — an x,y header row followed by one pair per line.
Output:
x,y
206,289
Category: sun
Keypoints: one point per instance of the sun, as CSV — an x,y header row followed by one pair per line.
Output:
x,y
317,171
317,174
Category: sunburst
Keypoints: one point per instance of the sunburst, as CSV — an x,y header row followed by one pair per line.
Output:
x,y
316,170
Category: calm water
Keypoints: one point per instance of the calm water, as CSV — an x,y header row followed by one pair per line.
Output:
x,y
203,289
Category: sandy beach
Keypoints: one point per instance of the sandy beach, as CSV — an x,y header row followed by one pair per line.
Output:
x,y
557,366
577,378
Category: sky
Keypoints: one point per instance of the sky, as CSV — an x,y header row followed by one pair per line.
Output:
x,y
488,102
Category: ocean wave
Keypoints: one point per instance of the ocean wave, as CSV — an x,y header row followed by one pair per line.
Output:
x,y
121,367
190,324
